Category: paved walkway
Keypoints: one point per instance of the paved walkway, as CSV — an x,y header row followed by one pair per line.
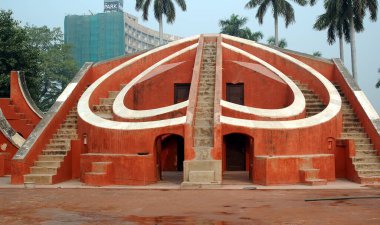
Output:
x,y
172,181
187,207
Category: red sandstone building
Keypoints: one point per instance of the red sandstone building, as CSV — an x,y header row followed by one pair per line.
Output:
x,y
204,105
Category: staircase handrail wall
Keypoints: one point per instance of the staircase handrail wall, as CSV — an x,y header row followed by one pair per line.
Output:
x,y
366,113
217,150
20,97
34,144
28,98
190,113
9,133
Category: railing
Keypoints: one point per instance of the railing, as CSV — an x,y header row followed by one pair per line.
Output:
x,y
189,125
366,113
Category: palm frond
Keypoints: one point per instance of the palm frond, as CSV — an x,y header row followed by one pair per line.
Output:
x,y
182,4
262,10
169,11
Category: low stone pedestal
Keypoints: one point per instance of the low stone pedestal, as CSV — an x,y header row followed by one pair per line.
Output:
x,y
202,172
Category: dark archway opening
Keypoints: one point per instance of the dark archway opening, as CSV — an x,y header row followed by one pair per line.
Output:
x,y
170,157
237,158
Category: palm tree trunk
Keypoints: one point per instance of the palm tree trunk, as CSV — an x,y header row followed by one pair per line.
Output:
x,y
353,48
276,30
161,31
341,49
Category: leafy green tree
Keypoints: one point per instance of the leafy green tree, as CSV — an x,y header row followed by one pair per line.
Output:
x,y
235,26
279,8
282,43
16,53
335,24
161,8
56,64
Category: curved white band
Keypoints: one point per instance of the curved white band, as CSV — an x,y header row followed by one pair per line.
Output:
x,y
296,108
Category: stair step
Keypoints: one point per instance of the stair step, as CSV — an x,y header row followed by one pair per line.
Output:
x,y
106,101
351,129
67,131
315,182
65,136
360,146
359,140
370,179
203,141
351,120
365,152
102,108
43,170
60,141
366,159
54,152
47,163
69,126
113,94
38,178
204,122
363,172
51,157
203,131
367,166
62,146
354,135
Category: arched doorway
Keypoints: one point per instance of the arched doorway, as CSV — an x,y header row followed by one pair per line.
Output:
x,y
170,157
237,157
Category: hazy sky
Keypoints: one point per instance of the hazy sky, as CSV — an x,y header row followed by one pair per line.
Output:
x,y
202,16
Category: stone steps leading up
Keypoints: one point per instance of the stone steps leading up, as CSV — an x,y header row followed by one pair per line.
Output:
x,y
366,161
314,104
46,168
204,113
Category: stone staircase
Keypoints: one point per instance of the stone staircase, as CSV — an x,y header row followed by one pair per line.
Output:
x,y
104,109
26,124
366,160
204,114
310,175
100,174
314,105
46,168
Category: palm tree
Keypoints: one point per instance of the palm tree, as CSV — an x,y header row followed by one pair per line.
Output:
x,y
234,26
282,43
317,54
254,36
354,11
279,8
336,25
161,8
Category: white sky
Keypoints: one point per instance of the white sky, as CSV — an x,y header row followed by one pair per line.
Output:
x,y
203,17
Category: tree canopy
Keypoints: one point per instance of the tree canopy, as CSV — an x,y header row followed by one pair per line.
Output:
x,y
235,26
56,64
282,43
40,53
16,52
